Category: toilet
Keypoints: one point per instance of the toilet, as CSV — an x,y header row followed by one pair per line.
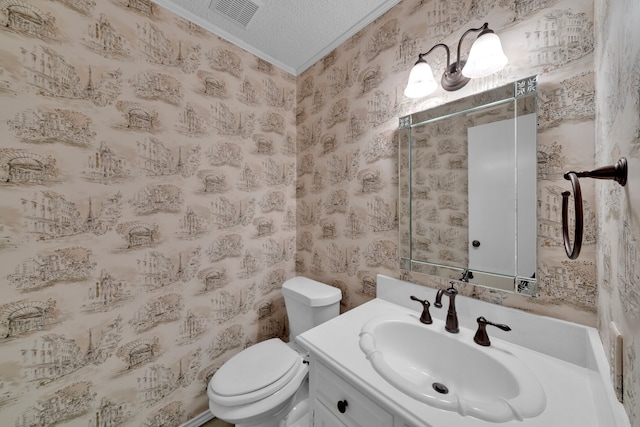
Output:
x,y
266,385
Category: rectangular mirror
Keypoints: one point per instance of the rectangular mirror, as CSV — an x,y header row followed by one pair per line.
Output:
x,y
467,176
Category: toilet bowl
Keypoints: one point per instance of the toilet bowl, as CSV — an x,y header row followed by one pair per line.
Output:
x,y
256,387
266,385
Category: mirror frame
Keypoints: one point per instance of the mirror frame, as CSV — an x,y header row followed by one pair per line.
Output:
x,y
523,94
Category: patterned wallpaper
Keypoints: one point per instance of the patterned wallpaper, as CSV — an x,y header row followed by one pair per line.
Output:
x,y
348,109
160,184
148,207
439,153
618,134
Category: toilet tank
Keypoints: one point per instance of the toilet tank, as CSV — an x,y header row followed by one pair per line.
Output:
x,y
309,303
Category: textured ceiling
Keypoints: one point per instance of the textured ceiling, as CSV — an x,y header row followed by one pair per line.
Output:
x,y
291,34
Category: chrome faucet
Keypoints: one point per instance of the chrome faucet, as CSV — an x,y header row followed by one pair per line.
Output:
x,y
451,325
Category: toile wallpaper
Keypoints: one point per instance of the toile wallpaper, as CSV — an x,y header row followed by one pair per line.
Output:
x,y
348,106
617,135
439,193
147,218
348,109
159,184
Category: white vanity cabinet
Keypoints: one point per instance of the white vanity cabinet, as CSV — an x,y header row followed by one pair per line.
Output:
x,y
335,402
566,358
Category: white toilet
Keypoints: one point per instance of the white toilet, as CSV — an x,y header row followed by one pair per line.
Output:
x,y
266,385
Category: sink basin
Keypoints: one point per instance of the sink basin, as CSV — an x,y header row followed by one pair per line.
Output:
x,y
451,372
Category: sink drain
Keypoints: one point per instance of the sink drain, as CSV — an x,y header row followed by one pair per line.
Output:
x,y
440,388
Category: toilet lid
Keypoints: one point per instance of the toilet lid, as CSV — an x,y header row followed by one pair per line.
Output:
x,y
254,368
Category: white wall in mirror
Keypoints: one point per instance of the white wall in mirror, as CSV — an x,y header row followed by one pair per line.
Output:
x,y
501,198
492,197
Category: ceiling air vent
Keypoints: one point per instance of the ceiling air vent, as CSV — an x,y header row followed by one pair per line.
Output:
x,y
239,11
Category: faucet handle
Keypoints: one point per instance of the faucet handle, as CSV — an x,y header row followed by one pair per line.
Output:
x,y
481,337
451,291
426,316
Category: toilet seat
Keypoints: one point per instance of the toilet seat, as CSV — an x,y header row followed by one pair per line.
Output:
x,y
268,407
254,373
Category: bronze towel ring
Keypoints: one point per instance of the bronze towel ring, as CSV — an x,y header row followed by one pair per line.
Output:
x,y
616,172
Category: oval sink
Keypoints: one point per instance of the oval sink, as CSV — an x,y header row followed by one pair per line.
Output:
x,y
451,372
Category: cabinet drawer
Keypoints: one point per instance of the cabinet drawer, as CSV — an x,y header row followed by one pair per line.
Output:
x,y
359,411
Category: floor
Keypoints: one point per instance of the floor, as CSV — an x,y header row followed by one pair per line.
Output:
x,y
216,423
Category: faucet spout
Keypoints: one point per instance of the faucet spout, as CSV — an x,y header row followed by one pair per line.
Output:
x,y
451,324
438,302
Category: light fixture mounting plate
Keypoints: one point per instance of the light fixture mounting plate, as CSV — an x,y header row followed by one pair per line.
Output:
x,y
453,79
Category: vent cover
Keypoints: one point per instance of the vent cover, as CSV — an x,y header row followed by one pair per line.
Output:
x,y
239,11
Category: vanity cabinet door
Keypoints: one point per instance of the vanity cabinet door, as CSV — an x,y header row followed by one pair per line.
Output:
x,y
344,401
322,417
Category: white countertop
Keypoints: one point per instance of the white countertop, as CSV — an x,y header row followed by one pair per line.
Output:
x,y
577,388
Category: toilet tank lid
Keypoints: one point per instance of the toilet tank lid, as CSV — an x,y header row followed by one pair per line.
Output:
x,y
310,292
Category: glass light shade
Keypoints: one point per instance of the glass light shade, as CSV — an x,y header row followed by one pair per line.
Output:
x,y
485,57
421,82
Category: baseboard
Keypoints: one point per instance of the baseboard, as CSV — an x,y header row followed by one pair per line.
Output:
x,y
199,420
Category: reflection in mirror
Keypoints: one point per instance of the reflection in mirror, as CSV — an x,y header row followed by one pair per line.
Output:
x,y
467,174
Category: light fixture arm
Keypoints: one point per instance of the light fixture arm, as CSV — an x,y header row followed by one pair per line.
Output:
x,y
421,55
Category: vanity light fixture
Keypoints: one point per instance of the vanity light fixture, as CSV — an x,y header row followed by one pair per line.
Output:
x,y
485,57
